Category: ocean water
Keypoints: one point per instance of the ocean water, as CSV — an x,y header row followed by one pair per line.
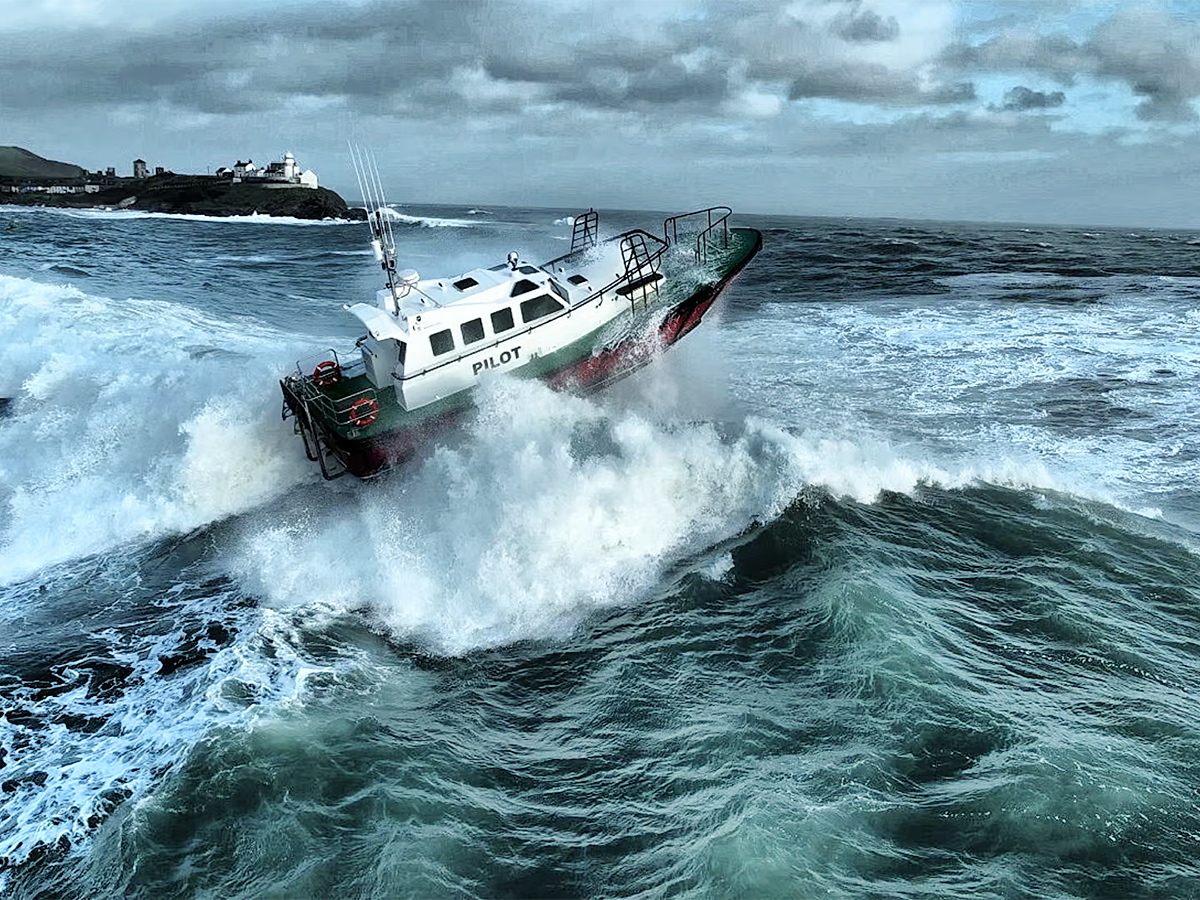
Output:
x,y
883,583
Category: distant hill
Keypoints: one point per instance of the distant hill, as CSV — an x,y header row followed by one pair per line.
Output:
x,y
17,162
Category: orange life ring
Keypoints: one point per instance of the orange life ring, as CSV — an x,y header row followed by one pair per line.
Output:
x,y
364,411
327,373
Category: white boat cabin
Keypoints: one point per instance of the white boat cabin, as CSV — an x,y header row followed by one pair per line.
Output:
x,y
432,338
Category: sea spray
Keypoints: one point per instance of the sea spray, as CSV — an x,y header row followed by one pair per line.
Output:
x,y
118,431
547,508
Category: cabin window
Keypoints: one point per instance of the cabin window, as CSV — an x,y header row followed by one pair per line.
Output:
x,y
524,286
538,307
401,348
558,289
528,270
577,280
472,331
502,320
467,283
441,342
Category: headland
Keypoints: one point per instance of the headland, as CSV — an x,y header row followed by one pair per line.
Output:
x,y
279,189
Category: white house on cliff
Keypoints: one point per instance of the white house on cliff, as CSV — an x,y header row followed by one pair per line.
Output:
x,y
277,174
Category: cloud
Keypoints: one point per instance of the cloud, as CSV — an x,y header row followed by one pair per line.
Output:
x,y
1056,55
361,51
874,83
669,89
1023,99
441,58
1157,55
1154,54
690,58
861,25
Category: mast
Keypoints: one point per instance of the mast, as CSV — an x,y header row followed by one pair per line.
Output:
x,y
383,241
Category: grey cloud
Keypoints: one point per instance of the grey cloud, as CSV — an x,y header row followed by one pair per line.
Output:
x,y
1155,54
1023,99
960,92
864,82
381,51
845,81
866,25
1158,57
1054,55
926,134
410,57
613,74
322,50
670,83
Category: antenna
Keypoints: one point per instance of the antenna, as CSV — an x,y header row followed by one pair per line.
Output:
x,y
383,241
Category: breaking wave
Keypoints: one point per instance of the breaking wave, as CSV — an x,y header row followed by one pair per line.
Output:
x,y
120,427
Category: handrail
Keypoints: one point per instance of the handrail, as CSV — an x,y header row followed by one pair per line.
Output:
x,y
337,410
305,362
585,231
654,255
704,239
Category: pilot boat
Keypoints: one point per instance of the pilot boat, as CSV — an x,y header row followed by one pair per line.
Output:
x,y
580,321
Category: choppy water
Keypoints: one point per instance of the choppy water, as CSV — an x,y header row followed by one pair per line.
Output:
x,y
884,583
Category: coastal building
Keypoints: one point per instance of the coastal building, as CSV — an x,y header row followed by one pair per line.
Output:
x,y
283,173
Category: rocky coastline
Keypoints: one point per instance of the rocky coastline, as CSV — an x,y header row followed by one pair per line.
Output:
x,y
200,195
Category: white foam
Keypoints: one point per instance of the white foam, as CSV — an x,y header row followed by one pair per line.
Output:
x,y
550,507
1080,398
150,720
427,221
519,530
117,433
130,214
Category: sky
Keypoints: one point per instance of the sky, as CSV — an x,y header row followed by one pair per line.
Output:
x,y
1055,111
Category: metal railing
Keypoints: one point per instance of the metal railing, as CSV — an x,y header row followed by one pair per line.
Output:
x,y
586,231
714,234
640,254
335,410
641,266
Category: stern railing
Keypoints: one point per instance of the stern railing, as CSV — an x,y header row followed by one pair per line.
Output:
x,y
335,407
